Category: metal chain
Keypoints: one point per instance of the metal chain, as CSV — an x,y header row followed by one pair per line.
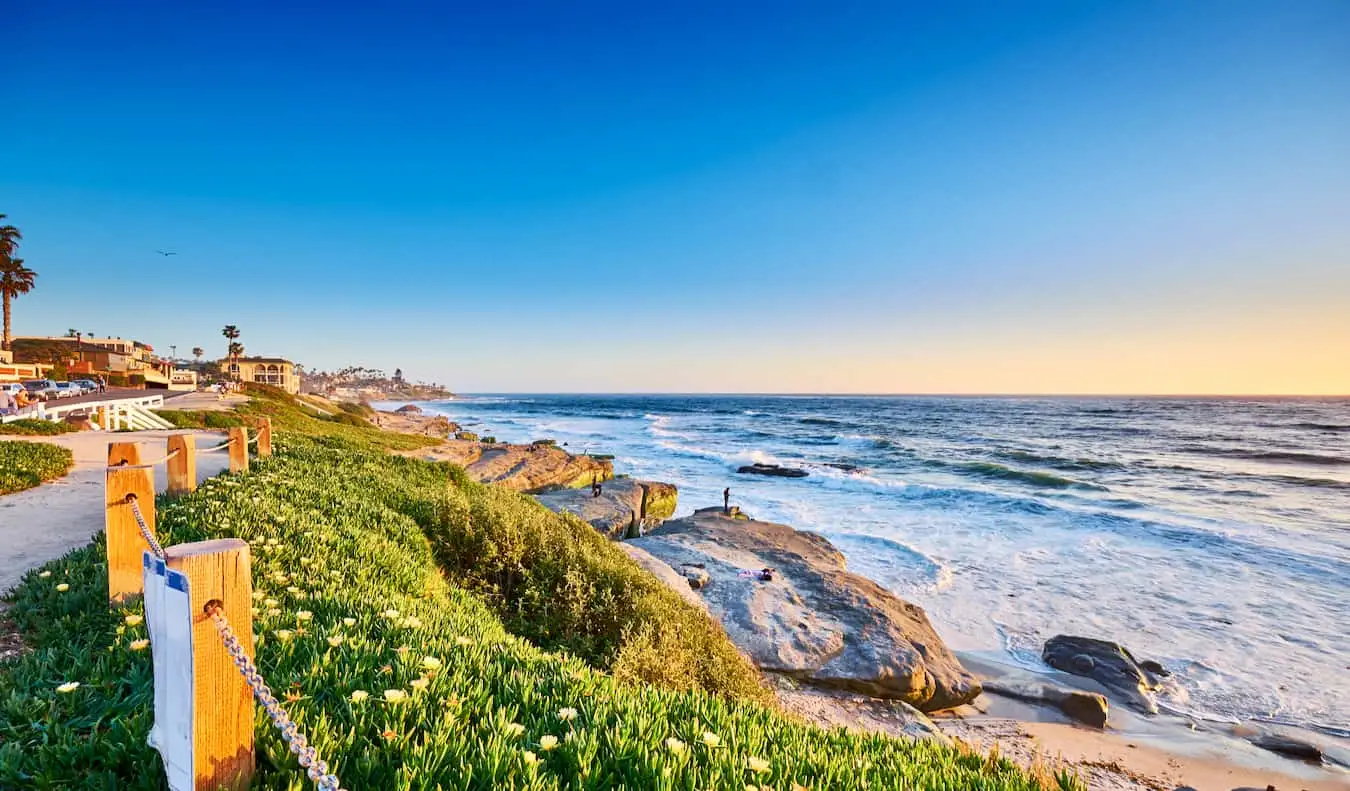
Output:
x,y
308,757
145,530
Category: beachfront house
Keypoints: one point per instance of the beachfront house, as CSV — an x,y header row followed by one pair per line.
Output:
x,y
275,371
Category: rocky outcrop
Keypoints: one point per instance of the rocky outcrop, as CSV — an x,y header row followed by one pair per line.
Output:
x,y
773,470
814,620
621,501
1107,663
1088,708
663,572
525,468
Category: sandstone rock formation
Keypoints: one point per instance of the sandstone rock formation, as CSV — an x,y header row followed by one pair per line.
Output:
x,y
1086,707
525,468
814,620
620,501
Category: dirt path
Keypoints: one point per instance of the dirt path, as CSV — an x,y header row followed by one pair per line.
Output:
x,y
42,524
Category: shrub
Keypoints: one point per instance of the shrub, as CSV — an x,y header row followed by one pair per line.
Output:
x,y
24,465
467,436
30,427
488,440
344,527
349,419
362,409
184,418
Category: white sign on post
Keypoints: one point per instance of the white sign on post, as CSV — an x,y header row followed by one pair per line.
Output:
x,y
168,617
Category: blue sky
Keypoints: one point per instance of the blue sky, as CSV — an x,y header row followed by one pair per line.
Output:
x,y
767,197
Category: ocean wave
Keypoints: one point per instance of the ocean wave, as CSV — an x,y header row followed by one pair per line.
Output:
x,y
891,563
1291,457
986,469
821,421
1059,462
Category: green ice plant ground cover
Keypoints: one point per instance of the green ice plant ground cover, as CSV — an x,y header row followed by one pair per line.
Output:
x,y
24,465
400,679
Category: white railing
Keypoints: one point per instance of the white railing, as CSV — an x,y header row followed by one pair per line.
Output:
x,y
119,413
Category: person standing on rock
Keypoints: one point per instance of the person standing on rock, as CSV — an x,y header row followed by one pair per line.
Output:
x,y
726,500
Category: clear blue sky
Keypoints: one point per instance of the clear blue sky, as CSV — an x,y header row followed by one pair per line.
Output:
x,y
772,197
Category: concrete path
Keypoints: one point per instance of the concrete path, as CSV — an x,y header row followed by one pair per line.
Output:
x,y
46,522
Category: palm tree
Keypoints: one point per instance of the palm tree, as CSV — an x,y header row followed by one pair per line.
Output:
x,y
231,333
197,352
9,239
15,279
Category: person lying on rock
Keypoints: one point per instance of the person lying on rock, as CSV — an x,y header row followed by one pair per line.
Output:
x,y
763,575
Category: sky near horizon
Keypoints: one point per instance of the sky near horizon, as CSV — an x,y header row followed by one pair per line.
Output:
x,y
1076,197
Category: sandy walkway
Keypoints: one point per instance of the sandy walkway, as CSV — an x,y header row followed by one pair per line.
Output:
x,y
45,523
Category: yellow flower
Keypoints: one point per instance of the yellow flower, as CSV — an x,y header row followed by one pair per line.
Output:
x,y
711,739
271,602
412,622
274,612
284,634
431,662
548,742
567,714
349,622
44,574
68,687
258,595
139,645
395,695
256,611
514,729
419,684
293,589
675,745
121,630
359,695
303,615
133,620
272,542
63,587
757,765
335,641
462,640
530,758
390,614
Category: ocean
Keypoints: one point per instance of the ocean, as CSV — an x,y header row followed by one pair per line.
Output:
x,y
1210,534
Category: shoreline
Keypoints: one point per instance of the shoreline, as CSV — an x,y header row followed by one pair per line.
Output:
x,y
1161,752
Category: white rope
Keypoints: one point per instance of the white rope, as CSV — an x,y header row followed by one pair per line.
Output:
x,y
222,446
146,466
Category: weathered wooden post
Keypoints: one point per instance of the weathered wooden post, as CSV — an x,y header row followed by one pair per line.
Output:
x,y
182,463
222,704
238,449
264,437
123,534
103,419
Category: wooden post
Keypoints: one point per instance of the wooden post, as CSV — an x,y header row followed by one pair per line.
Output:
x,y
238,450
264,437
103,419
182,467
124,539
222,703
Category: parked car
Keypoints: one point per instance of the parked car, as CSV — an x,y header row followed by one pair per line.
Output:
x,y
87,385
41,389
68,390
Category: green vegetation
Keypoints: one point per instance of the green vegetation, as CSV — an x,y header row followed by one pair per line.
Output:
x,y
467,436
368,572
24,465
185,418
30,427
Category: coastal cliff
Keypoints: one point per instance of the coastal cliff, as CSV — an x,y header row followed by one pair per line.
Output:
x,y
524,468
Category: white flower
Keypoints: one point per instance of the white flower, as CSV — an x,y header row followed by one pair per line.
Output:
x,y
335,641
757,765
462,640
349,622
139,645
258,595
303,615
44,574
548,742
293,589
412,622
675,745
530,758
395,695
133,620
359,695
567,714
711,739
63,587
431,662
391,614
274,612
68,687
284,634
419,684
271,602
514,729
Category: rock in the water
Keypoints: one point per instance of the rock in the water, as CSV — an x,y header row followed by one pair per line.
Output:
x,y
814,620
1088,708
1105,662
622,501
773,469
1291,746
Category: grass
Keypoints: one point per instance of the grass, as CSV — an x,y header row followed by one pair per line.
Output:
x,y
361,587
24,465
30,427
